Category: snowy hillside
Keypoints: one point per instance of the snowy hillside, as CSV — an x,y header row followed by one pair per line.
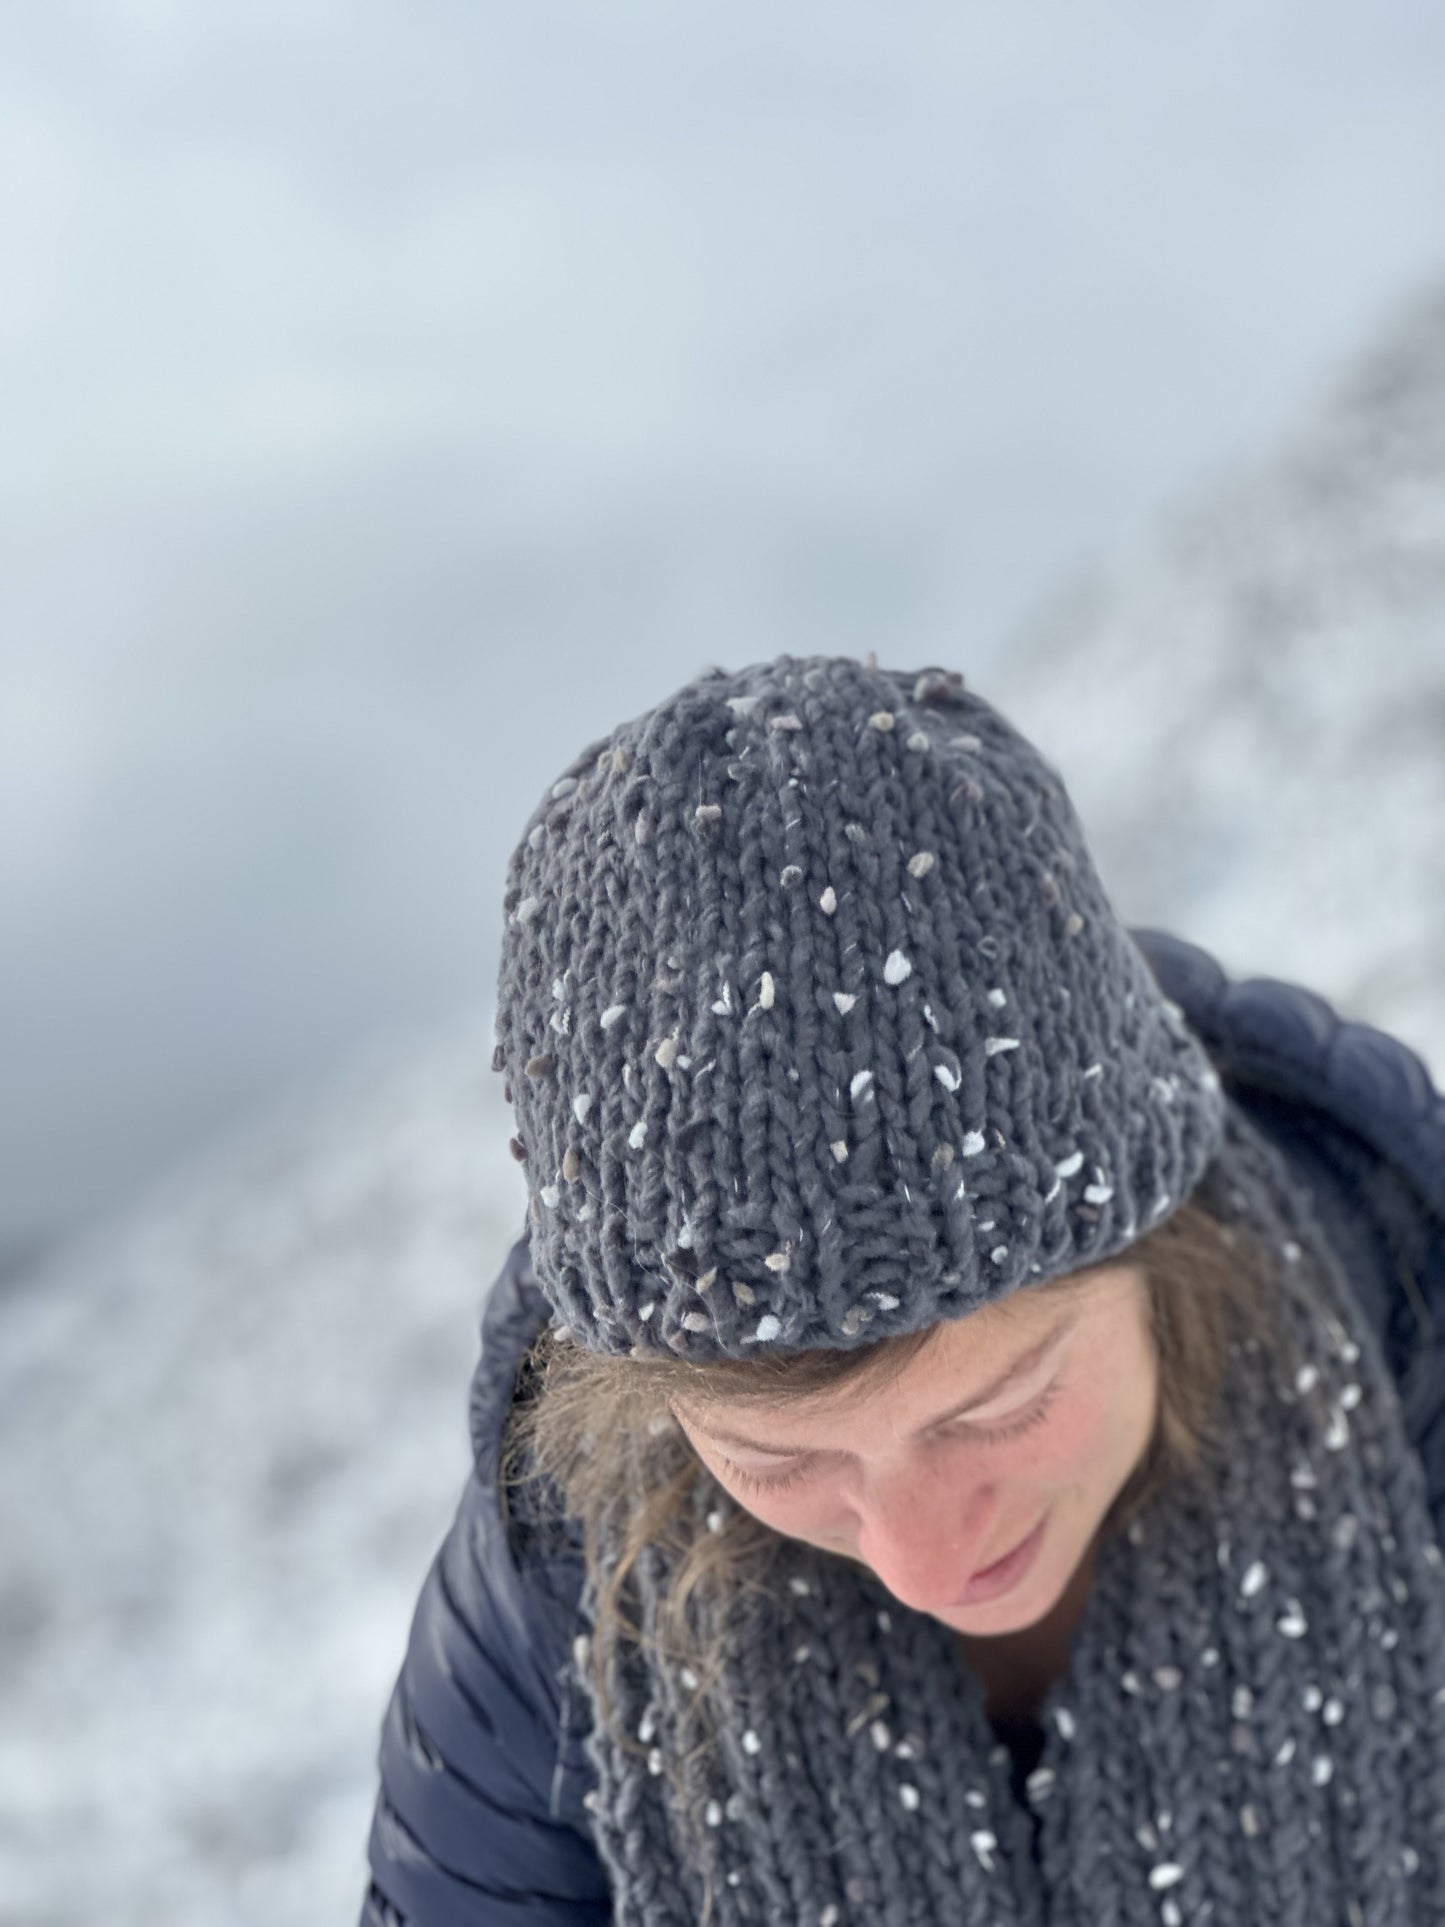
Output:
x,y
1251,716
231,1430
231,1435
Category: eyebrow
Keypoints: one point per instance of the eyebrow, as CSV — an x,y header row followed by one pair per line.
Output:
x,y
1010,1375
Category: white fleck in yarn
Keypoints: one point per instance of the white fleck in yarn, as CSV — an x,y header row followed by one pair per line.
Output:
x,y
1254,1578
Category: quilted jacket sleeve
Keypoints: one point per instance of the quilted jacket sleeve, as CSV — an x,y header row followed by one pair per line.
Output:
x,y
1363,1126
478,1821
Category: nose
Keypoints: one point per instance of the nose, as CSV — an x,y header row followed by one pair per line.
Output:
x,y
924,1538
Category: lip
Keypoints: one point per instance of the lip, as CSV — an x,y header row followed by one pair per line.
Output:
x,y
991,1582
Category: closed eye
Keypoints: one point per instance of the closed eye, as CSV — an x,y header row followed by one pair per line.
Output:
x,y
1033,1415
983,1435
772,1482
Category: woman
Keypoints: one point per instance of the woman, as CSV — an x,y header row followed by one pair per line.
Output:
x,y
964,1440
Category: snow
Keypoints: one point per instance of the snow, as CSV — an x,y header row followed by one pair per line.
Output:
x,y
1250,713
234,1431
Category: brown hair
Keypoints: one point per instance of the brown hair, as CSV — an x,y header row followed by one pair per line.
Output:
x,y
589,1432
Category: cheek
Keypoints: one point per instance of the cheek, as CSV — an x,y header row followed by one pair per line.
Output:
x,y
1081,1433
817,1511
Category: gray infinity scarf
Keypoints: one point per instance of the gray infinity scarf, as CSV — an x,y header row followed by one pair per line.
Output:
x,y
1252,1730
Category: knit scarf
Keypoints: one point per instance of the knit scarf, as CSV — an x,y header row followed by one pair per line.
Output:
x,y
1252,1729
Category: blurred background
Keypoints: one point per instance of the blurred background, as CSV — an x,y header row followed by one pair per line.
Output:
x,y
395,399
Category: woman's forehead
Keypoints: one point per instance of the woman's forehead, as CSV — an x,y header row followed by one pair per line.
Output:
x,y
964,1355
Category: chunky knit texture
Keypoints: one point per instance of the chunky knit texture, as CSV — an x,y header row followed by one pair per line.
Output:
x,y
819,1026
1252,1728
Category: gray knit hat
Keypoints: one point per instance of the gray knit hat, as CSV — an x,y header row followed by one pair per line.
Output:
x,y
819,1026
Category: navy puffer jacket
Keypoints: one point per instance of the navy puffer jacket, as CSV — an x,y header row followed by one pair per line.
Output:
x,y
480,1821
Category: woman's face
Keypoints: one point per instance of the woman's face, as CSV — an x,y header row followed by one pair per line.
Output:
x,y
973,1483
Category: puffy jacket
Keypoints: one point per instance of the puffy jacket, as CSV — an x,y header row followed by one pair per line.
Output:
x,y
480,1821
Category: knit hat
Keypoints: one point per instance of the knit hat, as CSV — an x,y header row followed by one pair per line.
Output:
x,y
819,1026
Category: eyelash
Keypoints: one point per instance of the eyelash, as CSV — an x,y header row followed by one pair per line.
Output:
x,y
780,1481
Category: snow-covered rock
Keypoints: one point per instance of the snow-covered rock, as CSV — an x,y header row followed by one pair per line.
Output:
x,y
1250,716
